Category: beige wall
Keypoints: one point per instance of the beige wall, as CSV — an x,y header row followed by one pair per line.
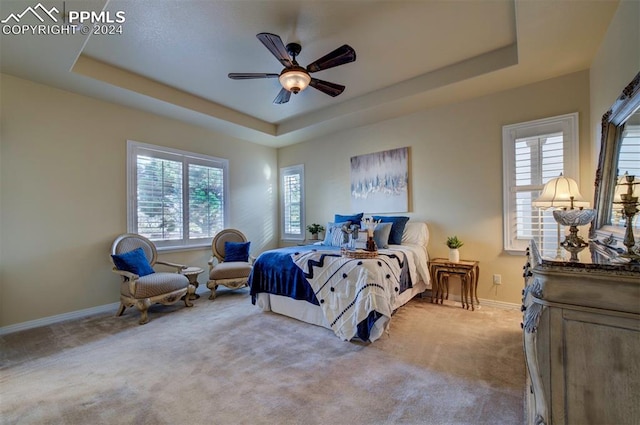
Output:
x,y
456,169
63,198
615,65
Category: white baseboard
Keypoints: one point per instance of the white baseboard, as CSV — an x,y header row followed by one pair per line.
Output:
x,y
46,321
455,299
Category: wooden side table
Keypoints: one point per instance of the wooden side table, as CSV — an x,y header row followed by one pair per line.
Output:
x,y
192,274
468,270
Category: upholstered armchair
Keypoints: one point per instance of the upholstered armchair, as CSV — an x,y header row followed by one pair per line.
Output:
x,y
230,264
134,257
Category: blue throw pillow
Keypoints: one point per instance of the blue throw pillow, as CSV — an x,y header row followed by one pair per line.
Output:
x,y
397,227
134,262
354,218
381,234
236,251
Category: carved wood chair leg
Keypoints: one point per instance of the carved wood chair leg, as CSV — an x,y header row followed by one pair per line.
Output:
x,y
213,293
191,290
143,306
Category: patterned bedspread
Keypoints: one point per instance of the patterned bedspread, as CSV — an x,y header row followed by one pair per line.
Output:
x,y
355,291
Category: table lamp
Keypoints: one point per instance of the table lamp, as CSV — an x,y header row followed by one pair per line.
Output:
x,y
562,195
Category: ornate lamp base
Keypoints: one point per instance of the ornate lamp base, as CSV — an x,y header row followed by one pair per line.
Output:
x,y
574,243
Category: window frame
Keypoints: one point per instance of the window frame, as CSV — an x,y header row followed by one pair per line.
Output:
x,y
566,124
285,171
134,148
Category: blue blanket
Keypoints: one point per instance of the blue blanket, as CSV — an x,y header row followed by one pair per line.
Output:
x,y
275,272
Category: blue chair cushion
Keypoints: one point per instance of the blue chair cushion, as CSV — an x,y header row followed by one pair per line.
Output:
x,y
134,262
236,251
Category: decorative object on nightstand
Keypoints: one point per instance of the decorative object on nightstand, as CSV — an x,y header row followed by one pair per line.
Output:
x,y
561,194
454,252
314,229
624,195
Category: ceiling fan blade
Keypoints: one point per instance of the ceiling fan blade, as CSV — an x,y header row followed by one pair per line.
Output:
x,y
332,89
250,76
276,47
340,56
282,97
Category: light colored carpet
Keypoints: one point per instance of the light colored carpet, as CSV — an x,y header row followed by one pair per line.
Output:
x,y
226,362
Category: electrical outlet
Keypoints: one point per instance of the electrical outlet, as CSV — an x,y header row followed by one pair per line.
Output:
x,y
497,279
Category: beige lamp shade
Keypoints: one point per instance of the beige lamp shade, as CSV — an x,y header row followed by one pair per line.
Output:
x,y
558,193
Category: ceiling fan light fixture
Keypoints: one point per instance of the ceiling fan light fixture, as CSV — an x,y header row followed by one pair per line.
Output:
x,y
294,79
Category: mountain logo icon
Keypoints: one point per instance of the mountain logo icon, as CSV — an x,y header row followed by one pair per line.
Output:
x,y
34,11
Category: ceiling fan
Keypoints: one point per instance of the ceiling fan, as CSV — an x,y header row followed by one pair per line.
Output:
x,y
295,78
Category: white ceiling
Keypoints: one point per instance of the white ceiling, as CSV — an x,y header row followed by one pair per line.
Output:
x,y
173,56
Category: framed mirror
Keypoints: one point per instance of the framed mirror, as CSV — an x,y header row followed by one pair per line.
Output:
x,y
619,154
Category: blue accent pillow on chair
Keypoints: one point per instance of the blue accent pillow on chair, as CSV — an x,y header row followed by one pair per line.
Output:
x,y
134,262
397,227
236,251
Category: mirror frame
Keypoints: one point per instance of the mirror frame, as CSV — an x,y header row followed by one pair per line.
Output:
x,y
606,175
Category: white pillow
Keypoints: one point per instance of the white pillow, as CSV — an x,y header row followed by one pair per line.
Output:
x,y
415,233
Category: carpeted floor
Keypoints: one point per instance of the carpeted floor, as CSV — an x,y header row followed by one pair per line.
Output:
x,y
226,362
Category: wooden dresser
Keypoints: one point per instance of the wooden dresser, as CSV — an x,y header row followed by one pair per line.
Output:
x,y
581,333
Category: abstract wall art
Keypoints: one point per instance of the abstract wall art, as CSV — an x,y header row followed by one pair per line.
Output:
x,y
379,181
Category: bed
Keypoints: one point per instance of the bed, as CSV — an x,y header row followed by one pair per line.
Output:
x,y
354,297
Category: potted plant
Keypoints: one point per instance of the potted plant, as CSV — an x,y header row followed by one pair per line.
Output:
x,y
314,229
454,243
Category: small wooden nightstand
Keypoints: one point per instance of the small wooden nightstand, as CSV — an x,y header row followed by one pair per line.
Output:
x,y
468,270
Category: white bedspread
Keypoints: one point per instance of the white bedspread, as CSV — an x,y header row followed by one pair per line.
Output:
x,y
350,289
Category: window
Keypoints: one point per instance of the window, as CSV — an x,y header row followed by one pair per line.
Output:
x,y
629,164
175,198
292,202
533,153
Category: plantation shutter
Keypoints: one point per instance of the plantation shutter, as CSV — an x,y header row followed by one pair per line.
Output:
x,y
159,195
630,152
537,160
534,153
293,202
176,198
628,163
206,201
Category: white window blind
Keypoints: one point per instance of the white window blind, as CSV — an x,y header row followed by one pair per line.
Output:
x,y
292,204
628,163
629,157
175,198
533,153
